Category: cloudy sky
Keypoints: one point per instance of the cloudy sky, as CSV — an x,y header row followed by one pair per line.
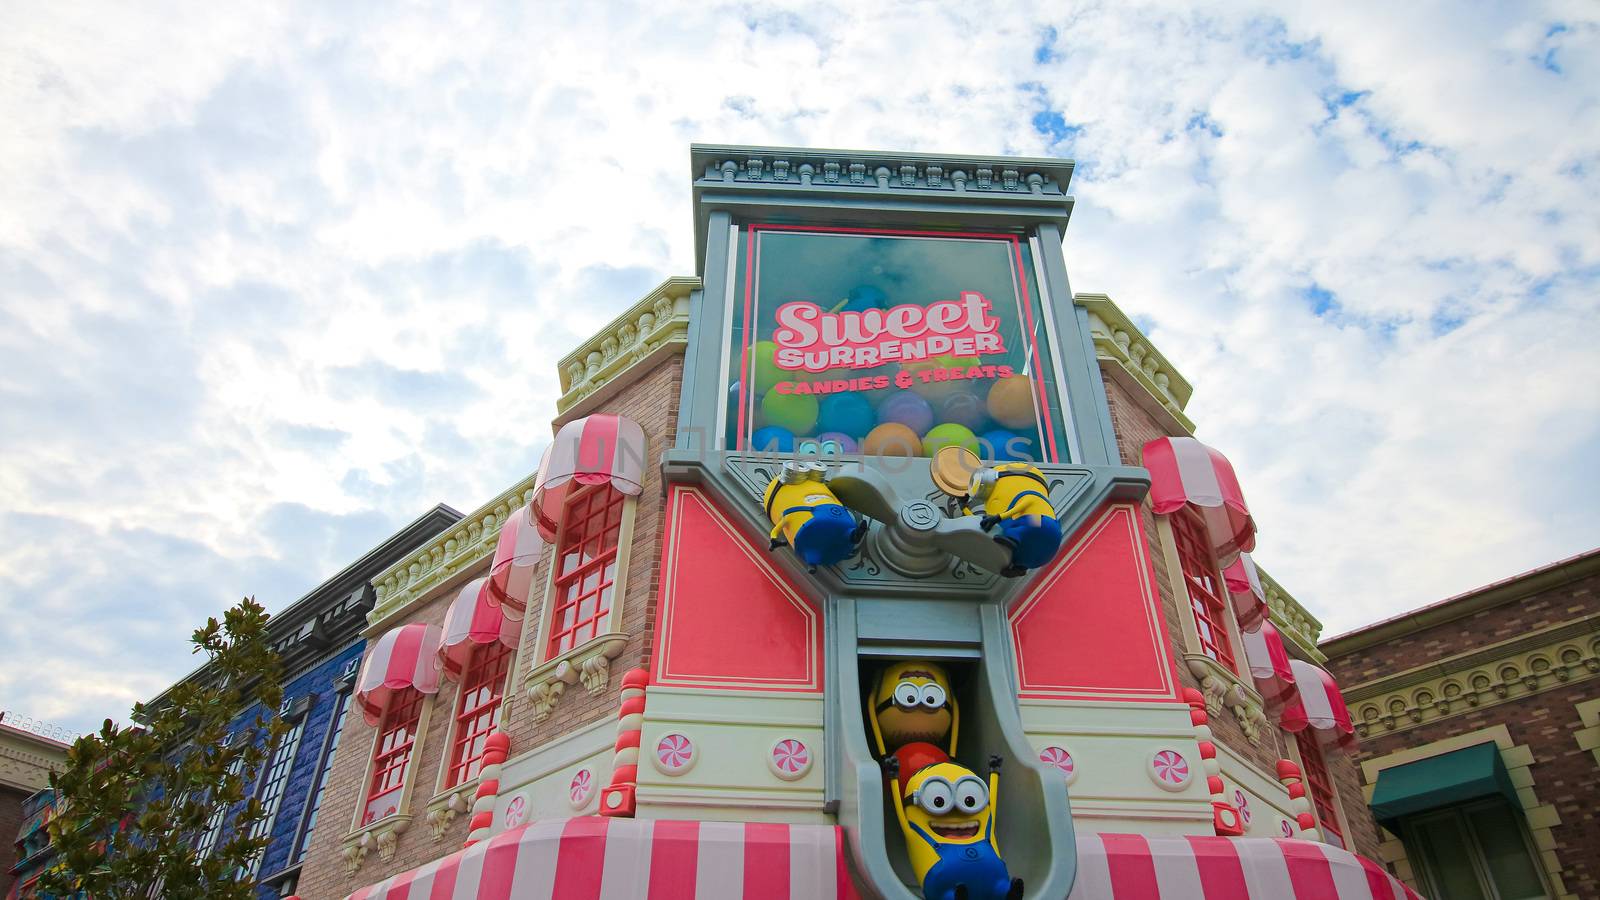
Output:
x,y
275,280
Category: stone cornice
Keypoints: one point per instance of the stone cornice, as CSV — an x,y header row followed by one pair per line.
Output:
x,y
456,549
626,347
1117,340
1292,619
1479,678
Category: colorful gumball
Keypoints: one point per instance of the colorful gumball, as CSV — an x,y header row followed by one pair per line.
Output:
x,y
948,435
908,409
863,297
1001,445
795,413
1011,401
763,355
962,408
892,439
772,439
933,388
845,442
847,413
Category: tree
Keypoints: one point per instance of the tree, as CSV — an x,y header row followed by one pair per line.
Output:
x,y
145,809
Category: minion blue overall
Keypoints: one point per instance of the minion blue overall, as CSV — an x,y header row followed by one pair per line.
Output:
x,y
809,518
1015,496
947,816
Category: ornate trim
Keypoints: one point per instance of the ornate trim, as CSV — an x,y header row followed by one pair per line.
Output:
x,y
443,809
589,662
454,550
1588,737
1220,686
1478,679
1292,619
1118,340
626,346
381,834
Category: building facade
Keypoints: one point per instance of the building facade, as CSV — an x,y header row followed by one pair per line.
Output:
x,y
1479,719
876,433
29,751
319,644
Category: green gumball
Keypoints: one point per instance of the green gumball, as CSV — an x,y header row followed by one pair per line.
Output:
x,y
794,412
948,435
763,357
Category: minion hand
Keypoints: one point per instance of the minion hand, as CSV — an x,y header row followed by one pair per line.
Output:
x,y
994,762
891,768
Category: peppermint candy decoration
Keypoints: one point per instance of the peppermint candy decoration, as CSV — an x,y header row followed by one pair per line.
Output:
x,y
1169,770
1061,760
789,759
1243,803
674,754
581,787
516,812
1286,828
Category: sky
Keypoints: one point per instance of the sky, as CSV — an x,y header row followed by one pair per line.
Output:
x,y
277,278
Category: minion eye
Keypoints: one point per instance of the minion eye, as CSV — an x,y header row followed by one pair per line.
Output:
x,y
936,796
932,696
907,694
971,795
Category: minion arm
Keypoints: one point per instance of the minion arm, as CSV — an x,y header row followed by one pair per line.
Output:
x,y
891,774
994,800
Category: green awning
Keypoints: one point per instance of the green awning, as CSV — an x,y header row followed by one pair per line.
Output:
x,y
1444,780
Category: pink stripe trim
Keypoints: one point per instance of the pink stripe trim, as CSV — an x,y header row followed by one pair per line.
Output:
x,y
580,863
846,885
1309,870
1221,872
500,865
1133,873
673,859
1379,882
444,878
766,860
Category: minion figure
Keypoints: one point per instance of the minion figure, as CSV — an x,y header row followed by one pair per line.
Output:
x,y
947,816
913,702
1016,497
809,518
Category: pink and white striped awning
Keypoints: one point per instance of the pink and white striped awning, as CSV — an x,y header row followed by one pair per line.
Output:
x,y
597,449
1269,664
1185,472
516,554
405,657
472,622
594,858
1317,704
1135,867
1244,587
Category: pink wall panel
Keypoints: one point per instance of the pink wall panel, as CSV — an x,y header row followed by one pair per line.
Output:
x,y
727,618
1090,627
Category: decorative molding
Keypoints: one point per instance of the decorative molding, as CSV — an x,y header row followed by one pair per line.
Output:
x,y
382,834
589,662
455,550
1221,686
627,346
1477,679
1292,620
1118,340
443,809
1588,737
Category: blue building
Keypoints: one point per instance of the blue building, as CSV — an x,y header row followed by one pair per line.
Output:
x,y
318,640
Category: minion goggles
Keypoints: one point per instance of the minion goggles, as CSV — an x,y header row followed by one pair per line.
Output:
x,y
938,796
909,696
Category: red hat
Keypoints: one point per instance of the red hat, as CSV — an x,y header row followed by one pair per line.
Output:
x,y
916,756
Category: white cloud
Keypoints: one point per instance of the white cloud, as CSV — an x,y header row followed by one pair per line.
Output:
x,y
300,270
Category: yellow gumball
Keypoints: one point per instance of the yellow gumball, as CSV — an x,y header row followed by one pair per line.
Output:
x,y
1011,401
892,439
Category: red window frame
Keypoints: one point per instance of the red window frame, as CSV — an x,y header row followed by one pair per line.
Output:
x,y
482,691
586,567
1319,786
1205,587
391,754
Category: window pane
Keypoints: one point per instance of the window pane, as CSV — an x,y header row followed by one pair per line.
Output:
x,y
1506,853
1447,856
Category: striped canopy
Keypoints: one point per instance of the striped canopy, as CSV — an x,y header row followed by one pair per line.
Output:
x,y
1135,867
471,622
597,449
1269,664
1317,704
1244,587
405,657
515,556
1185,472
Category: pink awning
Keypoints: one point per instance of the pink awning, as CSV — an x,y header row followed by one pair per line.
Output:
x,y
515,556
1185,472
1244,587
597,449
590,857
1317,704
1269,664
405,657
471,622
1135,867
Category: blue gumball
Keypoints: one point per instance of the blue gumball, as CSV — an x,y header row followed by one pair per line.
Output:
x,y
772,439
1001,445
847,414
863,297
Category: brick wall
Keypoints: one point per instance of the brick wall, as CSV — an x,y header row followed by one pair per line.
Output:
x,y
652,402
10,824
1543,717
